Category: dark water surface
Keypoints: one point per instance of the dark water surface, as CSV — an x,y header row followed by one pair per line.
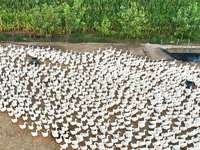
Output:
x,y
195,57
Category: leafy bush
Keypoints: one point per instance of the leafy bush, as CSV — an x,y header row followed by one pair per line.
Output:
x,y
182,41
25,35
98,35
77,35
169,39
154,40
7,34
18,38
143,36
2,37
195,36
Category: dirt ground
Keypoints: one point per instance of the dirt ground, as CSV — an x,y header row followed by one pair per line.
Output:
x,y
13,138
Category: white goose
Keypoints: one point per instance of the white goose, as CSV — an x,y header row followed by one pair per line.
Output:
x,y
93,146
74,132
94,132
80,137
86,134
119,145
23,126
63,146
31,127
25,117
75,146
34,134
14,120
55,133
45,134
85,147
59,140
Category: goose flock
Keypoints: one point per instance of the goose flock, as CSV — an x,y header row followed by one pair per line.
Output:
x,y
102,100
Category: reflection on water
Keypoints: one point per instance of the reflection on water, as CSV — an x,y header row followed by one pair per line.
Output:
x,y
186,56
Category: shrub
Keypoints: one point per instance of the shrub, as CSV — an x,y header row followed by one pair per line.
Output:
x,y
2,37
25,35
18,38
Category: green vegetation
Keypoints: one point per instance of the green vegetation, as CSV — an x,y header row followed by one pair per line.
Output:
x,y
118,19
2,37
18,38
